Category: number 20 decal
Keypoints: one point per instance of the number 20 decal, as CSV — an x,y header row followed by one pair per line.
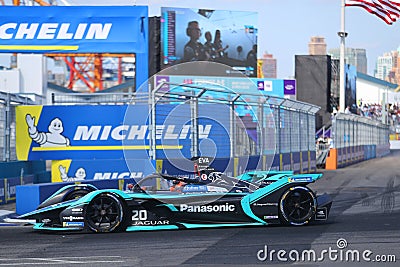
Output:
x,y
139,215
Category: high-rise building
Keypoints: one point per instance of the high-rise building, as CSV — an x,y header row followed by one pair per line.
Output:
x,y
317,46
384,65
269,65
352,56
395,68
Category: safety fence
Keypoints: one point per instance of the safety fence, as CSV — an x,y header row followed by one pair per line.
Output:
x,y
8,102
356,138
243,124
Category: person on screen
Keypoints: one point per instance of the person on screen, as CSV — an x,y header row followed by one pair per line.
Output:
x,y
252,57
240,54
209,46
194,50
219,48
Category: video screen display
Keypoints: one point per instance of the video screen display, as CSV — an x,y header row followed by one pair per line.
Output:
x,y
350,88
226,37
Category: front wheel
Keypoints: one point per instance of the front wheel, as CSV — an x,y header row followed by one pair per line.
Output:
x,y
76,194
297,206
105,213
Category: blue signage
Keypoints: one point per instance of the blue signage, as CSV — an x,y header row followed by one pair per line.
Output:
x,y
263,86
73,29
118,131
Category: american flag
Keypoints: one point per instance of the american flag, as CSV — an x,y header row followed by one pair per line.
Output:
x,y
387,10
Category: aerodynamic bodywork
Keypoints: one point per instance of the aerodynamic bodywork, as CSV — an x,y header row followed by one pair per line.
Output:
x,y
207,199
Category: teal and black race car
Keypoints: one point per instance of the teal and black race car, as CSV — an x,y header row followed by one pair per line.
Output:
x,y
165,202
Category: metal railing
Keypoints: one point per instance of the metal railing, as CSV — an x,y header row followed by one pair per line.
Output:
x,y
353,130
8,102
257,124
278,125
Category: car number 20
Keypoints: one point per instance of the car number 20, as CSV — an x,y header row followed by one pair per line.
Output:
x,y
139,215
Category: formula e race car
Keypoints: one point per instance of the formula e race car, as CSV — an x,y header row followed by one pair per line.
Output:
x,y
207,199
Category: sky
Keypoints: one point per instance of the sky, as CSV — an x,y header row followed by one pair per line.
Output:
x,y
286,26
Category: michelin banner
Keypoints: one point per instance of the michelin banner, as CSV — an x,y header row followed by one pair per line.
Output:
x,y
73,29
100,169
117,131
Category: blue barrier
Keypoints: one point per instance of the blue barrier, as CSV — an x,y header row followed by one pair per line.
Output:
x,y
304,162
8,187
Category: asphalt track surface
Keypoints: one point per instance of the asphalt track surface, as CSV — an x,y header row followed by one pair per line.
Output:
x,y
364,221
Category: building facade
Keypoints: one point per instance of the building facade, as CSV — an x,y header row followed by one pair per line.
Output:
x,y
353,56
384,65
269,66
317,46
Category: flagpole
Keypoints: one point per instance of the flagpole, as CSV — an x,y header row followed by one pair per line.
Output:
x,y
342,34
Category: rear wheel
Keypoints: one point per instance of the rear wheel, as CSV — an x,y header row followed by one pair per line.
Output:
x,y
105,213
297,206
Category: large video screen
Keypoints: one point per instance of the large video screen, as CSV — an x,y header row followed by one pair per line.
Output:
x,y
227,37
350,88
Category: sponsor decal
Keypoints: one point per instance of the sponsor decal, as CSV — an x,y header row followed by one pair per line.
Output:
x,y
300,179
218,189
163,82
54,31
69,224
194,188
116,175
265,204
75,29
77,210
321,214
264,86
289,87
204,177
73,218
207,208
203,160
54,137
137,132
270,217
152,223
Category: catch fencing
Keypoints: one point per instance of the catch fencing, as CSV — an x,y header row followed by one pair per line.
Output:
x,y
246,124
8,102
356,138
258,124
351,130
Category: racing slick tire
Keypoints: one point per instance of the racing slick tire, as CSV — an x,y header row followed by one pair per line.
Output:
x,y
105,213
297,206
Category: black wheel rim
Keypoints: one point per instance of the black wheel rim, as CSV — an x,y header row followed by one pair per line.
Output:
x,y
104,213
298,206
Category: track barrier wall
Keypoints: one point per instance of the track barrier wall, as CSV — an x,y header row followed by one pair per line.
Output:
x,y
8,187
356,139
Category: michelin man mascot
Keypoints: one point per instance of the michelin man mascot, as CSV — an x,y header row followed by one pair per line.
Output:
x,y
53,138
80,174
